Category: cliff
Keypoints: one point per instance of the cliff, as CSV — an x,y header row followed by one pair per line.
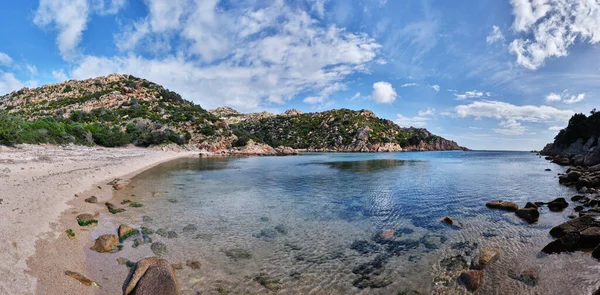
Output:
x,y
577,144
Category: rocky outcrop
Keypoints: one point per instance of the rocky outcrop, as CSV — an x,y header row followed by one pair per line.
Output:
x,y
503,205
577,144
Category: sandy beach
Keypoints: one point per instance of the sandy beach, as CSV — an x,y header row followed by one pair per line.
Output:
x,y
39,185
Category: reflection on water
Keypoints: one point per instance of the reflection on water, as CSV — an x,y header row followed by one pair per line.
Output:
x,y
367,165
293,225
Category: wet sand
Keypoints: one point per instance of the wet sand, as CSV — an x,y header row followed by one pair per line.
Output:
x,y
42,187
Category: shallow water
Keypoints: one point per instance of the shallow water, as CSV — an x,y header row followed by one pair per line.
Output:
x,y
311,224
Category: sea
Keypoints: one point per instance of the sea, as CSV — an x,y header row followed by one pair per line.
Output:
x,y
354,223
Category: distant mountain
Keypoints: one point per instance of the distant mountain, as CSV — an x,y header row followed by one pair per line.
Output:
x,y
578,143
340,130
120,109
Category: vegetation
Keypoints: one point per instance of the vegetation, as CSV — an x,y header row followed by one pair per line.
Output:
x,y
580,126
70,233
87,222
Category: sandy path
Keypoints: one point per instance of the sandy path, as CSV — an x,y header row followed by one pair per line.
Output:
x,y
36,182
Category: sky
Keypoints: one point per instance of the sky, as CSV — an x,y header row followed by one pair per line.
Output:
x,y
494,74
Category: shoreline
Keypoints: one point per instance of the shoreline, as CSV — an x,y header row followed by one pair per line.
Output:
x,y
41,184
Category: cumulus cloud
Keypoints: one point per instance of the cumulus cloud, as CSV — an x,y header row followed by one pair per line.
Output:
x,y
355,96
435,87
506,111
565,97
427,112
59,76
418,121
555,128
68,17
494,36
551,27
9,83
471,94
241,57
383,92
409,85
5,59
510,127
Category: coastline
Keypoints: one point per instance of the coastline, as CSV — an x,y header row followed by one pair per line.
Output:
x,y
41,186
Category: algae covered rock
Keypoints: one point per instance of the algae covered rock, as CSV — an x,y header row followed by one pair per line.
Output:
x,y
126,232
105,243
86,219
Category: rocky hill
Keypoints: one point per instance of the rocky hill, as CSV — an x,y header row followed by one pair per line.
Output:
x,y
145,111
119,109
577,144
340,130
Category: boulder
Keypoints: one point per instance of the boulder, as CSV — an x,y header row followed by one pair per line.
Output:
x,y
567,243
531,215
92,200
577,198
86,219
126,232
558,205
471,279
592,157
105,243
562,161
486,257
153,276
570,177
499,204
531,205
113,209
590,237
575,225
596,252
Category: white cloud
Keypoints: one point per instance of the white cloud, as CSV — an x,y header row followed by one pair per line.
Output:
x,y
510,127
470,94
427,112
9,83
383,92
506,111
409,85
551,27
59,76
574,99
404,121
435,87
5,59
494,36
240,57
555,128
355,96
565,97
68,17
104,7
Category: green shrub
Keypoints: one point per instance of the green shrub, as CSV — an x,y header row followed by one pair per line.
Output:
x,y
10,129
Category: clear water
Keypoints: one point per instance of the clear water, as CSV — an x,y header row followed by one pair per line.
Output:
x,y
312,223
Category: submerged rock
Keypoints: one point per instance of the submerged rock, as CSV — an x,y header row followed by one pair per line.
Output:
x,y
282,229
105,243
146,218
447,220
193,264
471,279
190,228
371,282
364,247
238,253
388,234
558,205
267,282
486,257
153,276
529,275
113,209
158,248
503,205
453,263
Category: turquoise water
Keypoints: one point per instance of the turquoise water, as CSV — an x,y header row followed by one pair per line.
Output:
x,y
312,224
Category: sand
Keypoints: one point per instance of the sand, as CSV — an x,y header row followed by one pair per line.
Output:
x,y
39,191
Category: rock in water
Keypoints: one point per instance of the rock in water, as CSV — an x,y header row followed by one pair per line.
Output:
x,y
190,228
590,237
388,234
567,243
448,220
558,205
486,257
82,279
105,243
126,232
596,252
528,276
112,209
92,200
86,219
158,248
471,279
153,276
575,225
193,264
499,204
531,215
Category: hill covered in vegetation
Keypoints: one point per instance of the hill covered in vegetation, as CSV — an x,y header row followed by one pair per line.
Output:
x,y
117,110
340,130
579,142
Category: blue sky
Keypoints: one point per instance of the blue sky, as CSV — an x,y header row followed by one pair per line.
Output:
x,y
488,74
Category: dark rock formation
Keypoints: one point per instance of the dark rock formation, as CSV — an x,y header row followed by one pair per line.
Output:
x,y
503,205
531,215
